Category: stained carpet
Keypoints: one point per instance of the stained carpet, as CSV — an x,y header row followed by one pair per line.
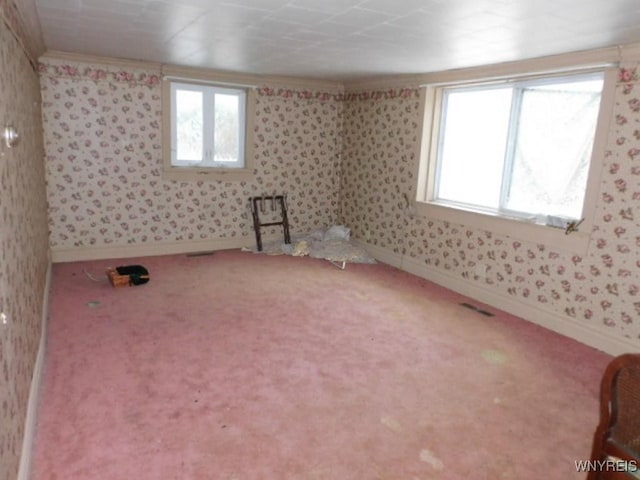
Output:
x,y
237,366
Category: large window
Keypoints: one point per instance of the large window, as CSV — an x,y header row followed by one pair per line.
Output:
x,y
513,149
522,149
205,130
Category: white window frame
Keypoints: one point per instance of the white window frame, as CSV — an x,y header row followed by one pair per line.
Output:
x,y
503,223
208,169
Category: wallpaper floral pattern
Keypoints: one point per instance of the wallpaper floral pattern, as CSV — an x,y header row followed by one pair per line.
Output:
x,y
23,245
601,288
381,130
104,162
347,158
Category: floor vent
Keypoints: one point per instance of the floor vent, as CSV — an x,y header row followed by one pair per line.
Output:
x,y
476,309
199,254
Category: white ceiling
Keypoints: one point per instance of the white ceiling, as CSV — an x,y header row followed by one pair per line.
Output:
x,y
336,39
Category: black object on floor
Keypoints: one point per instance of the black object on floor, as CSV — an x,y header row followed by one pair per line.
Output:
x,y
259,204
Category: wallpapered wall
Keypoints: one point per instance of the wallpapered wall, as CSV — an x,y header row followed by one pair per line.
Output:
x,y
381,131
105,187
601,288
23,244
102,130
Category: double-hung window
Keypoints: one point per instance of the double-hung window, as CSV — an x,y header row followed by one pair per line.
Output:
x,y
206,129
513,149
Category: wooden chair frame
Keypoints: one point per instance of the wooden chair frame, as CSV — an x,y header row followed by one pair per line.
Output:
x,y
607,442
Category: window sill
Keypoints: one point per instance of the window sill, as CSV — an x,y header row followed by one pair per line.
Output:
x,y
575,243
187,174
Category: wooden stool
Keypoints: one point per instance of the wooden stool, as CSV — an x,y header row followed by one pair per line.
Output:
x,y
258,204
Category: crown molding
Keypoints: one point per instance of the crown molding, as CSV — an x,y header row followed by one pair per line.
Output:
x,y
547,63
196,72
246,78
96,59
620,53
629,53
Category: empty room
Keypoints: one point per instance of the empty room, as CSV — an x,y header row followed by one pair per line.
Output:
x,y
282,239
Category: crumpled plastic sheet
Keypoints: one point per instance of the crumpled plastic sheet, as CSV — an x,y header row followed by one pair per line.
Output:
x,y
332,244
340,250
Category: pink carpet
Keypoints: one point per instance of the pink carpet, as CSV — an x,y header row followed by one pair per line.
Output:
x,y
238,366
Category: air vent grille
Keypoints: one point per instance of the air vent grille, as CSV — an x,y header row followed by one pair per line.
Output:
x,y
476,309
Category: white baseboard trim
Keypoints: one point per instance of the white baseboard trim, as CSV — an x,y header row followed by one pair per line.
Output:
x,y
382,254
562,324
75,254
24,470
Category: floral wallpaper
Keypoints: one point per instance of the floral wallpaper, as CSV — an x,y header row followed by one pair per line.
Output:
x,y
104,162
381,130
347,158
601,288
23,245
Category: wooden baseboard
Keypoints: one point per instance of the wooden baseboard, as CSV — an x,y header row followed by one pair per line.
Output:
x,y
562,324
75,254
24,469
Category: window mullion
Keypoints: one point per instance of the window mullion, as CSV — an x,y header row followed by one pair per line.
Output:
x,y
510,149
209,125
174,121
439,139
242,127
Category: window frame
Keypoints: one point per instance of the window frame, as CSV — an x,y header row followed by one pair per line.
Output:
x,y
211,170
503,222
